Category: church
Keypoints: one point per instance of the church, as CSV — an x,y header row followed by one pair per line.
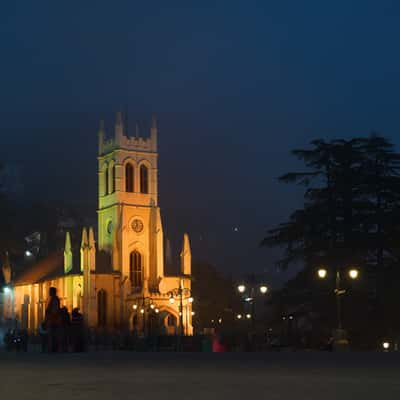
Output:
x,y
117,280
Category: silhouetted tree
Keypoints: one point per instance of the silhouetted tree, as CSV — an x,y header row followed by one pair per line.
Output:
x,y
350,216
351,209
214,295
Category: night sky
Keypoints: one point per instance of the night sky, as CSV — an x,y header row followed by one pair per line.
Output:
x,y
235,85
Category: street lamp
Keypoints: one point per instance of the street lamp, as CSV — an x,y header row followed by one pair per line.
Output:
x,y
145,305
182,294
353,273
322,272
386,346
249,294
241,288
263,289
339,291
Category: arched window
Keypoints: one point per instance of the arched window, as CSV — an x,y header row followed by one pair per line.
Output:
x,y
129,178
144,179
112,178
136,269
101,308
106,181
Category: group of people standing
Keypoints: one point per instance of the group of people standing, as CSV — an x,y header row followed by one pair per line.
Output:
x,y
60,331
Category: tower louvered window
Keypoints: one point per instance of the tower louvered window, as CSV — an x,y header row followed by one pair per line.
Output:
x,y
129,178
112,179
144,179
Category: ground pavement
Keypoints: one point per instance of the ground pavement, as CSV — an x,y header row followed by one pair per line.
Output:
x,y
128,375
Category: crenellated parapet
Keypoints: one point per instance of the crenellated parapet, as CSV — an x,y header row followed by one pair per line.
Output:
x,y
122,141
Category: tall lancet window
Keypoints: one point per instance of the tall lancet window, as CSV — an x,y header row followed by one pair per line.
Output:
x,y
136,269
129,178
112,178
106,182
144,179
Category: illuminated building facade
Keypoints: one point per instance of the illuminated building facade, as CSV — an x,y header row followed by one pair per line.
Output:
x,y
118,282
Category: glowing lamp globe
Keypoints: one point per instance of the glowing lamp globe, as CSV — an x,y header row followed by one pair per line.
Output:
x,y
263,289
241,288
385,345
353,273
322,272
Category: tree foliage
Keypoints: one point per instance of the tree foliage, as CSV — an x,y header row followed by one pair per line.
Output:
x,y
214,295
351,205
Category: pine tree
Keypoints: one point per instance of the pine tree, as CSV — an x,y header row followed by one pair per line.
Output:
x,y
351,205
350,217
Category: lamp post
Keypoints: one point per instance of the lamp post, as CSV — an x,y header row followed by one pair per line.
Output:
x,y
353,274
182,294
145,306
249,295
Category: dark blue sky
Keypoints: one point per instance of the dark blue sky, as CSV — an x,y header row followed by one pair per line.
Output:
x,y
235,85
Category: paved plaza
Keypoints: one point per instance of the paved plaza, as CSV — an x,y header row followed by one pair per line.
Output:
x,y
123,375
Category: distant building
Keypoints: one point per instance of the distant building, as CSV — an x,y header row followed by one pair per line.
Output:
x,y
118,282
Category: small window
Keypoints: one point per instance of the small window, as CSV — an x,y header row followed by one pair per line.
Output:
x,y
144,179
129,178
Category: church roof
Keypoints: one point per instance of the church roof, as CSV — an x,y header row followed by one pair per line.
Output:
x,y
52,267
49,267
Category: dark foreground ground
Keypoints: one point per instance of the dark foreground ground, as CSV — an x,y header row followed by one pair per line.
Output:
x,y
167,376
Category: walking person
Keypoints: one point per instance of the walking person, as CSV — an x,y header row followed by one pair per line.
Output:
x,y
77,331
65,329
53,321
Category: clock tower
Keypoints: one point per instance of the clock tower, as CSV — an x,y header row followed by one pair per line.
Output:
x,y
129,222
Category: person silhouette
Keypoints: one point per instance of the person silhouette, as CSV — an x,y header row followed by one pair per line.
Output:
x,y
53,321
77,330
65,328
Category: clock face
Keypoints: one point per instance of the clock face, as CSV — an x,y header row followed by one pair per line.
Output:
x,y
137,225
109,227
